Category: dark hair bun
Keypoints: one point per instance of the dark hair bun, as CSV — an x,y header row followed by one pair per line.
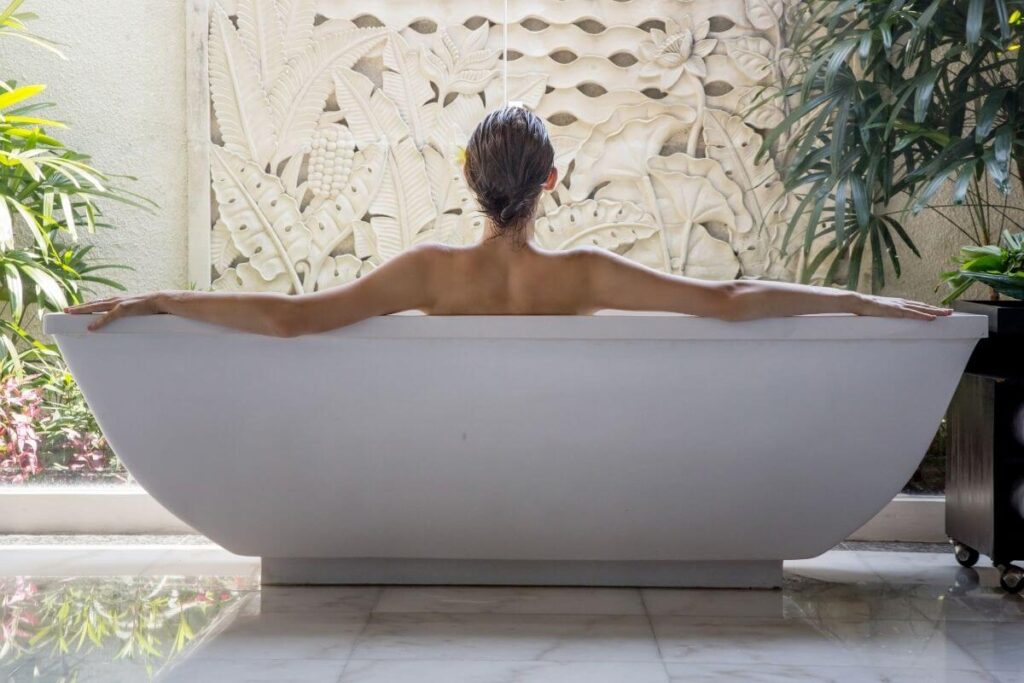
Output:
x,y
519,210
508,159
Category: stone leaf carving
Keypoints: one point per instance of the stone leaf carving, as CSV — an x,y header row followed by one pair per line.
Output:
x,y
368,112
760,108
340,270
407,86
764,14
620,147
734,144
456,121
712,171
264,221
527,88
299,95
245,278
687,204
347,193
459,62
600,223
260,30
752,55
332,219
402,207
297,18
222,247
459,221
239,101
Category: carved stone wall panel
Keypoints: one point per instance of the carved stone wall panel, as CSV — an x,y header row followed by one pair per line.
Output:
x,y
337,128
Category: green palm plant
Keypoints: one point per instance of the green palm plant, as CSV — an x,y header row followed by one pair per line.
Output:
x,y
13,24
899,99
49,194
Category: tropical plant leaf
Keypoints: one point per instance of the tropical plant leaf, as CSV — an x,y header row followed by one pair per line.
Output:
x,y
6,225
19,94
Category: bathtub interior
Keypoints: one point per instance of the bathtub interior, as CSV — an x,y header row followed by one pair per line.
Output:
x,y
612,438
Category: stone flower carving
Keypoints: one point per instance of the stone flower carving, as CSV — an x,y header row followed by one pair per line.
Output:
x,y
680,48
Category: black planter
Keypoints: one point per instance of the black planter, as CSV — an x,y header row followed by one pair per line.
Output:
x,y
985,472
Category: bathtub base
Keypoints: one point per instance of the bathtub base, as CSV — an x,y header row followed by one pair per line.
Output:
x,y
660,574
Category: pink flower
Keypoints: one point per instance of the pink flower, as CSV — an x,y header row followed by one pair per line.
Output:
x,y
20,409
89,450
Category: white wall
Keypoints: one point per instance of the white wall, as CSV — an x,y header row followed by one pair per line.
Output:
x,y
123,91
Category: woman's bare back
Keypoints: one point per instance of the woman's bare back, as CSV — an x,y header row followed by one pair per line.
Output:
x,y
495,279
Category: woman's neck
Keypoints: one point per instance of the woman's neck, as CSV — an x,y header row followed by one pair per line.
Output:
x,y
494,235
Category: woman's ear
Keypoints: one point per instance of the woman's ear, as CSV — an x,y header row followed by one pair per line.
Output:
x,y
552,180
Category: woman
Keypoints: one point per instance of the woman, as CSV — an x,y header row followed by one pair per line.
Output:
x,y
509,162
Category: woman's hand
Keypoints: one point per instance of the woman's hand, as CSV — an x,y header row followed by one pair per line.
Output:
x,y
886,307
118,307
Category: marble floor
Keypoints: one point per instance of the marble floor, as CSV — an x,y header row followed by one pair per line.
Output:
x,y
189,612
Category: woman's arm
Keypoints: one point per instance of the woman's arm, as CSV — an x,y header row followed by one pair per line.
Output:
x,y
618,283
401,284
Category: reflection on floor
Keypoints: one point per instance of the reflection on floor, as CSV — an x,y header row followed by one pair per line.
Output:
x,y
194,613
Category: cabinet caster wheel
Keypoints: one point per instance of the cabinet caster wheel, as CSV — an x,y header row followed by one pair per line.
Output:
x,y
1011,578
966,556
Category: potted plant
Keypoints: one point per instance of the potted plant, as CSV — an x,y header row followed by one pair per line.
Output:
x,y
909,106
1001,268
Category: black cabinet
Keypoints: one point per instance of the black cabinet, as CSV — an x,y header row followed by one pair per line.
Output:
x,y
985,470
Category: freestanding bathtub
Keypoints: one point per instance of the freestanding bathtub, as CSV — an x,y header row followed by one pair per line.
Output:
x,y
645,450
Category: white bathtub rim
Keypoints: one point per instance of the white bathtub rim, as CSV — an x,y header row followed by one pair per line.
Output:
x,y
609,325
